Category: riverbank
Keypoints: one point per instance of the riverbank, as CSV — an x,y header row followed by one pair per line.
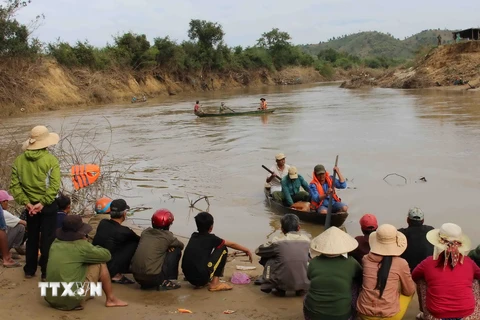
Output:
x,y
45,85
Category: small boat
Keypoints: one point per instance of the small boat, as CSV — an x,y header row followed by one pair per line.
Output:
x,y
313,217
231,114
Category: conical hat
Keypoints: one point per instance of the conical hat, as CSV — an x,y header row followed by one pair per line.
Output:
x,y
333,242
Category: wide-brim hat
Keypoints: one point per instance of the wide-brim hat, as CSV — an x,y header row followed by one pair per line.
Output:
x,y
40,138
387,241
333,241
73,228
449,232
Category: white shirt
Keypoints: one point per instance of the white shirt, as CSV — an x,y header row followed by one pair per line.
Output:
x,y
10,220
275,184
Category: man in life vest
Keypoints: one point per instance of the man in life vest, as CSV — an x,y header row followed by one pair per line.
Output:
x,y
263,104
323,191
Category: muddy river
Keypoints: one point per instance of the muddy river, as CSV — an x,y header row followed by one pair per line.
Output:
x,y
172,153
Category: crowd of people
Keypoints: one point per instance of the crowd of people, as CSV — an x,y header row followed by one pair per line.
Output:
x,y
372,276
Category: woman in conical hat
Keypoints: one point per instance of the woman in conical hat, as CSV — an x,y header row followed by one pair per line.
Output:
x,y
332,276
387,287
451,277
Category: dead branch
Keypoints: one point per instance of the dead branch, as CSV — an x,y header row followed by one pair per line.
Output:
x,y
394,174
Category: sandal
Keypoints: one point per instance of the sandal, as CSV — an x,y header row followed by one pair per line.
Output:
x,y
14,265
123,280
279,293
168,285
221,287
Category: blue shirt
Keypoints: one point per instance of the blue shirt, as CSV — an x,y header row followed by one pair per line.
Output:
x,y
60,217
316,196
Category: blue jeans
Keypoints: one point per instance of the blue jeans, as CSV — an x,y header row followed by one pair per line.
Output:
x,y
336,207
3,224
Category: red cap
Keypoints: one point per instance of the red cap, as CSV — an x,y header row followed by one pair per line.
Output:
x,y
369,222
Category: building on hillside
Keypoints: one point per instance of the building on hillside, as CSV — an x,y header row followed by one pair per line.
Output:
x,y
467,34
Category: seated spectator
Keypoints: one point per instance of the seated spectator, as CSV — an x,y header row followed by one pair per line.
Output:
x,y
206,254
8,262
15,226
102,211
387,286
449,275
368,224
334,277
121,241
418,247
285,259
158,254
63,202
73,259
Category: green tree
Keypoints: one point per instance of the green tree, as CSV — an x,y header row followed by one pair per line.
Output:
x,y
207,34
274,40
136,46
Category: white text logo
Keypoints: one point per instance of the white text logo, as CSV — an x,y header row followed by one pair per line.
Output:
x,y
71,289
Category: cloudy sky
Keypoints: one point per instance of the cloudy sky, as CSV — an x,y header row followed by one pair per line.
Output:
x,y
307,21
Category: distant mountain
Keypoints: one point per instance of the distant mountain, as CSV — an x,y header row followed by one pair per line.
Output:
x,y
378,44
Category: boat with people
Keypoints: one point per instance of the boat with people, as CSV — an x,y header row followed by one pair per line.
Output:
x,y
232,114
338,218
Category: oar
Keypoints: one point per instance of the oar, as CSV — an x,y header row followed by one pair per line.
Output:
x,y
330,203
271,172
229,109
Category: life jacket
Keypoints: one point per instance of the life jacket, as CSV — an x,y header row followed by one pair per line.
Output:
x,y
315,205
84,175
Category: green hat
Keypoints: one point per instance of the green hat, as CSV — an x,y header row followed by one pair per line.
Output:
x,y
319,168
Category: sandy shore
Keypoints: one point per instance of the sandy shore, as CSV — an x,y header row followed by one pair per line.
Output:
x,y
20,299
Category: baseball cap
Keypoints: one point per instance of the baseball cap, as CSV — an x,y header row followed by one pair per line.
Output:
x,y
280,156
368,222
319,168
415,214
292,173
5,196
119,205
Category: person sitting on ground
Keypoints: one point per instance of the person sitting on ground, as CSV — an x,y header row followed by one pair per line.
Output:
x,y
206,254
158,254
368,224
121,241
387,286
263,104
291,193
322,190
335,277
280,170
7,260
15,226
285,259
418,247
63,202
102,211
196,108
73,259
450,276
475,255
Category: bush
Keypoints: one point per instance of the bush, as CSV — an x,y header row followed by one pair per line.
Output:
x,y
325,69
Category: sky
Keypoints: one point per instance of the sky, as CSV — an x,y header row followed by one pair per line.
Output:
x,y
243,21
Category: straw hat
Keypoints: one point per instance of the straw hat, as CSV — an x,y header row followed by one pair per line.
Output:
x,y
40,138
449,232
293,173
280,156
387,241
333,241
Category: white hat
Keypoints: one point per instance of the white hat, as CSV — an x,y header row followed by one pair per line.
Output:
x,y
449,232
280,156
387,241
333,241
40,138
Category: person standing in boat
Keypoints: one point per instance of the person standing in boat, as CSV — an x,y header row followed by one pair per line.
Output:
x,y
263,104
291,189
280,170
323,191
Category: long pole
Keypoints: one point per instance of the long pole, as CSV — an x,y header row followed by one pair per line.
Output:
x,y
330,202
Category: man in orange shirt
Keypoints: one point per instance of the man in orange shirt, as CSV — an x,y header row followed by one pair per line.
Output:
x,y
263,104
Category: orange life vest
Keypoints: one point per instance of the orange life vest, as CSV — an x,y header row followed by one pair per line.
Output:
x,y
84,175
315,205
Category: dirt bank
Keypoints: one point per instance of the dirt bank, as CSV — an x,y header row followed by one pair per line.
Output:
x,y
30,86
438,68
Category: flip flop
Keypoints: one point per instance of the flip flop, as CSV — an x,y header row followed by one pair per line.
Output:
x,y
168,285
123,280
221,287
15,265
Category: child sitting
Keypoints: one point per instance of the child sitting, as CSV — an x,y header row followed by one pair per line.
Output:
x,y
206,255
158,254
63,203
285,259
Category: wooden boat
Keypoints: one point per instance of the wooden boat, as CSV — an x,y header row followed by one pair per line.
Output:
x,y
313,217
231,114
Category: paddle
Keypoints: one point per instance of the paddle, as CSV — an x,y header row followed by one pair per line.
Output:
x,y
271,172
330,203
229,109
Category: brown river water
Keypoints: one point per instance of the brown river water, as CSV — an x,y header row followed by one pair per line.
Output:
x,y
413,133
